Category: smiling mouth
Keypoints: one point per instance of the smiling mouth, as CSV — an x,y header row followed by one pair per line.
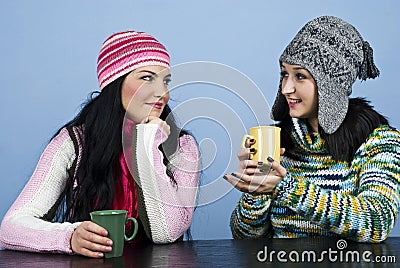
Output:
x,y
293,102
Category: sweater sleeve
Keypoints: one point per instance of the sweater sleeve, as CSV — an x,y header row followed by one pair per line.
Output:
x,y
23,226
367,216
165,208
250,217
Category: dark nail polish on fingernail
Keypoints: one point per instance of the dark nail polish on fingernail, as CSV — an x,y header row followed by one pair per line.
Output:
x,y
252,150
252,140
260,163
270,159
234,175
225,177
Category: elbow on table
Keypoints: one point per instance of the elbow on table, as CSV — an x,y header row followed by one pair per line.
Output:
x,y
380,230
2,245
167,238
239,234
9,238
373,238
3,235
378,237
164,240
175,233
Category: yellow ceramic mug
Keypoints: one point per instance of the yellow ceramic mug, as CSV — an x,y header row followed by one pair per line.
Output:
x,y
268,143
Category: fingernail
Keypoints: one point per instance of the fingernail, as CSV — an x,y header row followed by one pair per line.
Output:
x,y
270,159
234,175
252,140
252,150
109,243
225,177
260,163
100,254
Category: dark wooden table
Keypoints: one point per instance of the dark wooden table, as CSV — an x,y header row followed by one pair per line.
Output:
x,y
307,252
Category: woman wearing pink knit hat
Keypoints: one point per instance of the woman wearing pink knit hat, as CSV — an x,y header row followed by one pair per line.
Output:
x,y
122,151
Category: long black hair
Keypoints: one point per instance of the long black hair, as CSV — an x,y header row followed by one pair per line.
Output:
x,y
361,119
99,124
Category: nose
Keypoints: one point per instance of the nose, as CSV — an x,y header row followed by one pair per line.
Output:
x,y
288,86
160,89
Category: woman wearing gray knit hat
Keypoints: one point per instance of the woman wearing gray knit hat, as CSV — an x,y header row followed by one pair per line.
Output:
x,y
340,163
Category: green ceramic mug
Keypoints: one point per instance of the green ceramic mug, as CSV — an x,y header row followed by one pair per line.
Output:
x,y
114,222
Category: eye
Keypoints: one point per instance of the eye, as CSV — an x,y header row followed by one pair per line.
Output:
x,y
147,78
167,81
300,76
284,74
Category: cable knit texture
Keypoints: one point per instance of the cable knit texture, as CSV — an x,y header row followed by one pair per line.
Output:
x,y
24,227
322,197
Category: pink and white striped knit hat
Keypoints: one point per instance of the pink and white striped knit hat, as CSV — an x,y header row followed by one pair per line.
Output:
x,y
123,52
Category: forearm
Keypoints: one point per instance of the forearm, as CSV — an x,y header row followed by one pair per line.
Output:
x,y
366,217
28,233
165,206
250,217
24,227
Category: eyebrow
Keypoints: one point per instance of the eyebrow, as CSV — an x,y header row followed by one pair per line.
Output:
x,y
153,73
294,68
147,71
299,68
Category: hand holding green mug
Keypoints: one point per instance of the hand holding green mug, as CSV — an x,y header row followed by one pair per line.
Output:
x,y
114,222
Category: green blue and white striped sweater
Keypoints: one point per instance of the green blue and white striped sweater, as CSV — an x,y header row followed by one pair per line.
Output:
x,y
323,197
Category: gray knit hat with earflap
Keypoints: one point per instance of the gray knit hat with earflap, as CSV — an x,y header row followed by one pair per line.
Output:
x,y
335,54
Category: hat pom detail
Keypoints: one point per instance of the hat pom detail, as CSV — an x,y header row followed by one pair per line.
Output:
x,y
368,68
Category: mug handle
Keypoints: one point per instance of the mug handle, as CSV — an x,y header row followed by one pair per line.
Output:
x,y
244,143
135,229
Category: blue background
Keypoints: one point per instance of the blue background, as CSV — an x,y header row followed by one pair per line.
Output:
x,y
48,53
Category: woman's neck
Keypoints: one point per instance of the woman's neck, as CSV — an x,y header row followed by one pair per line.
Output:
x,y
313,122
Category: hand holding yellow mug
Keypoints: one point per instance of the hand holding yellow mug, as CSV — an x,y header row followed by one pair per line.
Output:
x,y
268,143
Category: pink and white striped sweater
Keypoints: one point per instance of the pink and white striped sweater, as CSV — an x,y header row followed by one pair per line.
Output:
x,y
165,209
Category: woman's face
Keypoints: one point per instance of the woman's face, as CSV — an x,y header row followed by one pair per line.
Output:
x,y
300,90
145,92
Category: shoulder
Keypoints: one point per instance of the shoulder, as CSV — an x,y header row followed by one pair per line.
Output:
x,y
65,142
66,133
382,139
62,137
385,135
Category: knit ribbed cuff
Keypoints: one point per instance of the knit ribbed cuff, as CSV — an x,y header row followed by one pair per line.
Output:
x,y
250,218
